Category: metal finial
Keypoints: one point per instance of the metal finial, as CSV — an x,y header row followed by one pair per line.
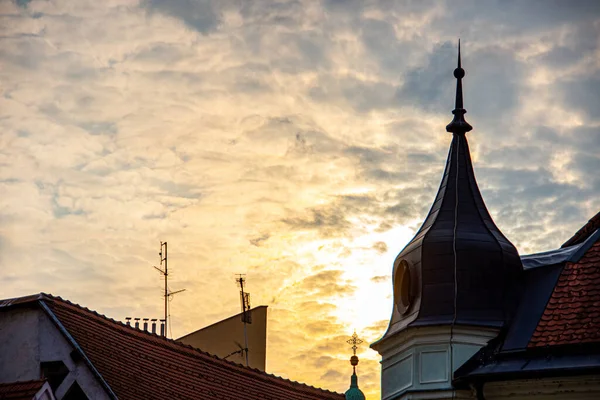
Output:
x,y
354,341
459,66
458,124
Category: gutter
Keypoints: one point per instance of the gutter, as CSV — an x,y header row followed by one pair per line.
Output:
x,y
74,343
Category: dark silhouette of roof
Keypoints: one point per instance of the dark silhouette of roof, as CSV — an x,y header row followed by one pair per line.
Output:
x,y
465,265
20,390
134,364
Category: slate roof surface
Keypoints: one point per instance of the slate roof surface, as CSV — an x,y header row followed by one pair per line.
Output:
x,y
20,390
572,314
141,365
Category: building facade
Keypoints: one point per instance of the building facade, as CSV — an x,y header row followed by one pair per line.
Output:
x,y
473,319
232,339
84,355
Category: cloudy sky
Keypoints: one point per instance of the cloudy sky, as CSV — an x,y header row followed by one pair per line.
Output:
x,y
298,142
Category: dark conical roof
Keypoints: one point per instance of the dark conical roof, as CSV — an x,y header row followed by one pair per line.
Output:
x,y
463,265
486,262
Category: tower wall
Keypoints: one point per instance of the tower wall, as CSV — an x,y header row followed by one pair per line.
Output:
x,y
416,362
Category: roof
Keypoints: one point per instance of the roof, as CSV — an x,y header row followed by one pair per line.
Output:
x,y
462,267
572,314
557,256
20,390
130,361
556,328
490,365
354,392
592,225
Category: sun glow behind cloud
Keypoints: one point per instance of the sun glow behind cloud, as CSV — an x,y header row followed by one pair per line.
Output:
x,y
298,142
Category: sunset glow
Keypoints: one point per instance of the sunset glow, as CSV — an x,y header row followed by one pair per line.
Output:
x,y
298,142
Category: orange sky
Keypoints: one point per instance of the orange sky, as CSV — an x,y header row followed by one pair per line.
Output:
x,y
300,143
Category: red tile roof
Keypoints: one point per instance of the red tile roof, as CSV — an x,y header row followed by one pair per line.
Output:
x,y
20,390
572,314
592,225
140,365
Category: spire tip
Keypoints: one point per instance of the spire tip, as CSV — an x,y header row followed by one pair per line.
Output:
x,y
459,73
458,124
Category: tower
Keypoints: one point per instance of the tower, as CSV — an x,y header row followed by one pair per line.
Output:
x,y
453,282
354,393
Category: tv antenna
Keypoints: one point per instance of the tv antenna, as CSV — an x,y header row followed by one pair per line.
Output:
x,y
164,270
241,350
246,315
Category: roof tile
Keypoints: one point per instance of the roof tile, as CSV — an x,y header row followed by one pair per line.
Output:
x,y
20,390
574,306
141,365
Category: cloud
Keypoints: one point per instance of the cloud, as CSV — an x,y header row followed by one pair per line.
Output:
x,y
326,284
380,247
583,96
380,279
199,15
360,95
258,241
22,3
328,221
298,142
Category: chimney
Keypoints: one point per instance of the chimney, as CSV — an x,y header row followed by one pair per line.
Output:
x,y
162,328
137,323
145,324
128,319
153,325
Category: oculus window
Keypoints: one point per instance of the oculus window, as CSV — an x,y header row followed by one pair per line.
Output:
x,y
403,287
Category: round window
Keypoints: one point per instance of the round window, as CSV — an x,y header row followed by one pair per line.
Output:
x,y
402,287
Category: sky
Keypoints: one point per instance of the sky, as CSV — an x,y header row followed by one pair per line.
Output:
x,y
298,142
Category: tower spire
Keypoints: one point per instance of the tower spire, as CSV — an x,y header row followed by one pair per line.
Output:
x,y
458,124
354,393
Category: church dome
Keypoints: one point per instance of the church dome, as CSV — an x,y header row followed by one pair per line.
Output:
x,y
354,393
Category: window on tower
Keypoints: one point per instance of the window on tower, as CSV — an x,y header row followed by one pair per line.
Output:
x,y
402,287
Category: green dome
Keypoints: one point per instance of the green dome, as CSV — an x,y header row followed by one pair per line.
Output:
x,y
354,393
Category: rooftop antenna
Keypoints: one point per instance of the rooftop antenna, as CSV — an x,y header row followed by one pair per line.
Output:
x,y
165,272
246,316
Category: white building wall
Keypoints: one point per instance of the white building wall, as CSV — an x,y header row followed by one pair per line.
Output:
x,y
45,393
416,363
29,337
19,345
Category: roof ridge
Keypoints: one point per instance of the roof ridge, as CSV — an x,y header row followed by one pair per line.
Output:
x,y
166,341
586,230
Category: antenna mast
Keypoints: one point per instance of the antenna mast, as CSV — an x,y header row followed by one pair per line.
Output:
x,y
165,272
246,316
